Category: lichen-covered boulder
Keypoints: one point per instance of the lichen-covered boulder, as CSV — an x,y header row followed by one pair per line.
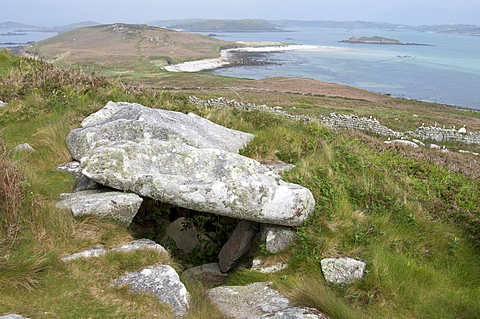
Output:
x,y
202,179
164,282
106,204
134,122
342,270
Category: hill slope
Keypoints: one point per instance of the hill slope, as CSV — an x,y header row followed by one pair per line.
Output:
x,y
120,45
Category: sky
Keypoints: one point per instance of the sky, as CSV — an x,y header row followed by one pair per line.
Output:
x,y
409,12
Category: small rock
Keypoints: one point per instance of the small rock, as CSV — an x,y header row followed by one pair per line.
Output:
x,y
3,104
25,147
277,238
404,142
91,252
163,282
258,264
209,275
72,167
280,167
141,244
342,270
85,184
237,246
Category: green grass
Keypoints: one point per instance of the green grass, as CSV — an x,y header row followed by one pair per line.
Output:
x,y
412,216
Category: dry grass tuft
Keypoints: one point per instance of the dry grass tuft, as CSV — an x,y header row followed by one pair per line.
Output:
x,y
11,196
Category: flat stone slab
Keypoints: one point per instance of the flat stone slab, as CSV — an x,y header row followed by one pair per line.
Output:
x,y
208,180
119,206
256,301
163,282
246,302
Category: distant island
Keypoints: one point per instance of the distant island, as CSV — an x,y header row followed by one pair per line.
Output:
x,y
208,25
377,40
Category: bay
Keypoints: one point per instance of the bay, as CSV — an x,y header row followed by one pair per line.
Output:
x,y
16,37
446,70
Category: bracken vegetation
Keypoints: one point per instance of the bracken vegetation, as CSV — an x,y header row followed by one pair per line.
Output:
x,y
412,215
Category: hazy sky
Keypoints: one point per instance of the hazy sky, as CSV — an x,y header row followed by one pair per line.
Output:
x,y
411,12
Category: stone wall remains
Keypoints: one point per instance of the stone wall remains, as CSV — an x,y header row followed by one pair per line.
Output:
x,y
353,122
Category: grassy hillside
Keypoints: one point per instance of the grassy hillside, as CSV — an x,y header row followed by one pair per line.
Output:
x,y
119,48
411,214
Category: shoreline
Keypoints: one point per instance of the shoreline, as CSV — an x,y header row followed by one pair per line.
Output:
x,y
226,56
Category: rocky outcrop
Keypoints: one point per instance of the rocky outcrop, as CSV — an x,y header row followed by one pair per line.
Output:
x,y
105,204
163,282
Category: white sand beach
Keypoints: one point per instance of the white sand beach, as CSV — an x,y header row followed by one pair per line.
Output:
x,y
223,60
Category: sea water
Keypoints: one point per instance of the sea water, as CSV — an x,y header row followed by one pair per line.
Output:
x,y
17,38
446,70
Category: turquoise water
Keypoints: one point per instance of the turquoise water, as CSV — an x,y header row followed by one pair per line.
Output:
x,y
446,71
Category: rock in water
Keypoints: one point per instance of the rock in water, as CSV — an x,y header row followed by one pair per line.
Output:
x,y
134,122
202,179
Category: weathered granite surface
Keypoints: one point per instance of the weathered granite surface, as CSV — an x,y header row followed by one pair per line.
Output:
x,y
119,206
342,270
257,300
208,180
134,122
163,282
